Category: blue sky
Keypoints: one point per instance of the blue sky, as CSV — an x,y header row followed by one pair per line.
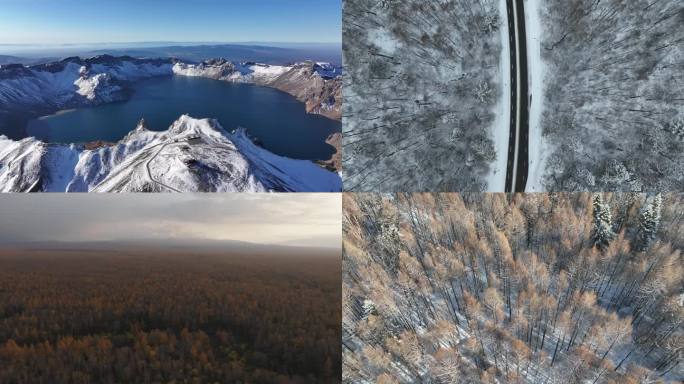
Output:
x,y
92,21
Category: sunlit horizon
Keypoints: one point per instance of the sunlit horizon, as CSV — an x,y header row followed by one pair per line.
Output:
x,y
304,220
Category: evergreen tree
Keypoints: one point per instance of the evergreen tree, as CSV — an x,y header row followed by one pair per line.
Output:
x,y
648,221
462,308
603,223
368,308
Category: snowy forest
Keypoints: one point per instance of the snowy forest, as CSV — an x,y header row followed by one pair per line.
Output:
x,y
614,95
514,288
420,91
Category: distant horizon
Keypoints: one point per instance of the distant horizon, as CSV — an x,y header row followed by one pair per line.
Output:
x,y
325,51
167,243
164,43
74,22
299,219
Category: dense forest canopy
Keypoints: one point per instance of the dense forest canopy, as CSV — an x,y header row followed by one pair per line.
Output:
x,y
525,288
421,85
156,316
614,95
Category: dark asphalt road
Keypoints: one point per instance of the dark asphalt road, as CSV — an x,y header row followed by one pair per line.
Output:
x,y
518,185
523,157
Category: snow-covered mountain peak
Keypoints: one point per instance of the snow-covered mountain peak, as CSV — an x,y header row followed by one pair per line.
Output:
x,y
193,155
187,127
317,85
74,82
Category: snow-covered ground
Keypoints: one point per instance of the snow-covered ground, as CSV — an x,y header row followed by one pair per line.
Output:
x,y
97,86
317,85
19,163
266,73
538,149
611,95
76,82
496,181
420,96
73,83
250,72
193,155
236,72
131,164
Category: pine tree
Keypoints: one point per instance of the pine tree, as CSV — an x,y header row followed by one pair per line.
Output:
x,y
368,308
603,223
648,221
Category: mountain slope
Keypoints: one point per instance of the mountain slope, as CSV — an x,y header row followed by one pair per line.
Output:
x,y
75,82
30,91
191,156
317,85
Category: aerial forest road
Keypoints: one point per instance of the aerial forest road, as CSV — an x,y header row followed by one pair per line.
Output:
x,y
517,166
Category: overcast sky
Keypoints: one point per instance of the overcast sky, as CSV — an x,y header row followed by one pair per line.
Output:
x,y
287,219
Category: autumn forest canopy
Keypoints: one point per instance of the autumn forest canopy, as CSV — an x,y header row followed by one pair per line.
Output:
x,y
165,316
533,288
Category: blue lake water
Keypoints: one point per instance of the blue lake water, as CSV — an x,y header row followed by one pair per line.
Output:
x,y
275,118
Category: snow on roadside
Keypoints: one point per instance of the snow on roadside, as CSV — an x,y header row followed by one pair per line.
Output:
x,y
496,180
538,149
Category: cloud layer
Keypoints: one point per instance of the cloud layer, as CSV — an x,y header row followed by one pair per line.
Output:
x,y
292,219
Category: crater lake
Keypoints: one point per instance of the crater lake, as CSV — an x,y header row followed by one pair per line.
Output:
x,y
276,119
